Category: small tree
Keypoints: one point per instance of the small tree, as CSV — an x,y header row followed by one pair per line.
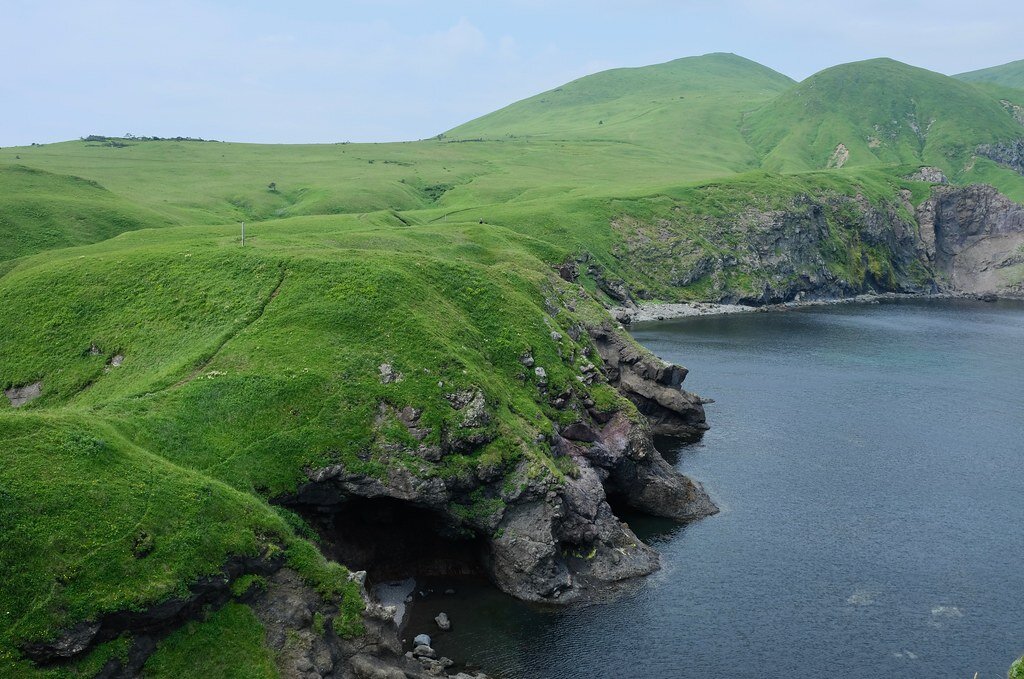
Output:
x,y
272,186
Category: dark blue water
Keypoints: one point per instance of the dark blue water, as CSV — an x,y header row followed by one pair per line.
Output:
x,y
869,462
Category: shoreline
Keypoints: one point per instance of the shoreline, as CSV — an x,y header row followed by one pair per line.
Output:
x,y
652,311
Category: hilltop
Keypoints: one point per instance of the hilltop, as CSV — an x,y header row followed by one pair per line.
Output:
x,y
877,112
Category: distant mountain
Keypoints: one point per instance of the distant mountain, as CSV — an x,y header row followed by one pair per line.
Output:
x,y
691,105
1007,75
877,112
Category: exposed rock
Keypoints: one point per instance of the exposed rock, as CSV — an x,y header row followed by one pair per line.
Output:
x,y
932,175
568,271
19,396
1007,154
388,375
423,651
615,289
421,640
839,156
369,667
157,619
474,407
974,237
652,384
442,621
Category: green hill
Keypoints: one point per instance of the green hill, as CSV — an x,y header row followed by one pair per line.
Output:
x,y
689,106
1007,75
42,211
877,112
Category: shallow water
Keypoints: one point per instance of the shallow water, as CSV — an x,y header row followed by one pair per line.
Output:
x,y
869,462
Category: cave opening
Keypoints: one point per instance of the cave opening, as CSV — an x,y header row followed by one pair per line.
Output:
x,y
393,539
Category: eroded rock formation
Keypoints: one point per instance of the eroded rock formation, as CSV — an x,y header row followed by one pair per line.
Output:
x,y
973,237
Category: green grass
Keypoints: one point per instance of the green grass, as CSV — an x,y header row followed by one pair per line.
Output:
x,y
42,211
1007,75
884,112
244,367
234,633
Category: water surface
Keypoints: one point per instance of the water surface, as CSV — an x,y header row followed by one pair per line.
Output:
x,y
869,462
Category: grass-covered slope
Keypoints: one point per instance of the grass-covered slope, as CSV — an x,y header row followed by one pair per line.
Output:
x,y
1007,75
239,369
878,112
42,211
689,106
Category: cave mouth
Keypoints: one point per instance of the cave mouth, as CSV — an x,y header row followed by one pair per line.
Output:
x,y
392,539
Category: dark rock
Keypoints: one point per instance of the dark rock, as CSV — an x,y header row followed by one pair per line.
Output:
x,y
653,385
424,651
580,431
568,271
159,618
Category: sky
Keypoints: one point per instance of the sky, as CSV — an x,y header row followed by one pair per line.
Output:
x,y
391,70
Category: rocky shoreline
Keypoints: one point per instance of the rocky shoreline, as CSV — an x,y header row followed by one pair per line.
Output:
x,y
652,311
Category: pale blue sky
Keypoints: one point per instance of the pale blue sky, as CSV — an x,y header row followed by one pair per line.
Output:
x,y
384,70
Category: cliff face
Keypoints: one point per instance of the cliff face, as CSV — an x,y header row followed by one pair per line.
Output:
x,y
973,237
539,538
825,245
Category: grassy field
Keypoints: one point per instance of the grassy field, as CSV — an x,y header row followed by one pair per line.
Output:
x,y
240,367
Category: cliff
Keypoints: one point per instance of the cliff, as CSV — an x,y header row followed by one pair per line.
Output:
x,y
814,242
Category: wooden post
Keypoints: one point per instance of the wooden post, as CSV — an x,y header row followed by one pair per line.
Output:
x,y
243,234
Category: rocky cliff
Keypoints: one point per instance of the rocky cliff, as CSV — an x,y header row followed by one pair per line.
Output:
x,y
973,239
823,244
538,537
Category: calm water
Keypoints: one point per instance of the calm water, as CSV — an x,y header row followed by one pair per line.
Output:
x,y
869,462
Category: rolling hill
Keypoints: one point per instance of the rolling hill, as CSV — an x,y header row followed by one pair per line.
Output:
x,y
1007,75
878,112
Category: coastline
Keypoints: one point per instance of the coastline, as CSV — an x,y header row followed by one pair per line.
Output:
x,y
653,311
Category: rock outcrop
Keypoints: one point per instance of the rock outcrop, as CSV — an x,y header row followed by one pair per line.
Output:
x,y
541,535
973,237
832,246
1007,154
653,385
148,624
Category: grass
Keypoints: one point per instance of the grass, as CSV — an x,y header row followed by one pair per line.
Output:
x,y
236,635
1007,75
43,211
245,366
884,112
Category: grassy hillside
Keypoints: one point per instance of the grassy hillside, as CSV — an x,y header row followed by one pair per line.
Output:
x,y
690,107
881,112
42,211
1007,75
186,380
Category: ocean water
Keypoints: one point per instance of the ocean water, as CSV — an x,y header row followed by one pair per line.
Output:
x,y
869,463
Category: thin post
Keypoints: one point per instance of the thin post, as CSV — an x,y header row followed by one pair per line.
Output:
x,y
243,234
